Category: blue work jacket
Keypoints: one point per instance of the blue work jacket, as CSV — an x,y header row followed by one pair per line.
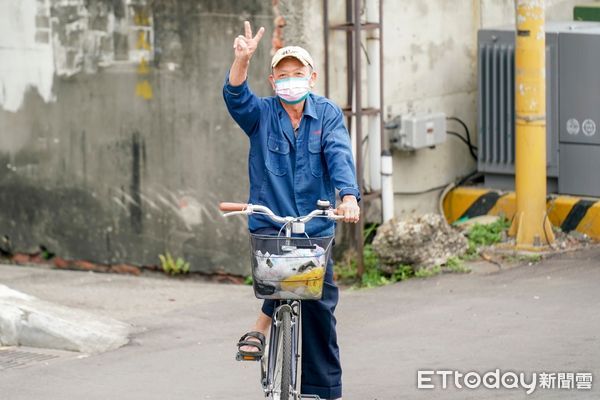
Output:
x,y
289,173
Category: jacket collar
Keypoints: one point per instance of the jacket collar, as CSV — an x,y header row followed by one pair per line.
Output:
x,y
308,111
285,122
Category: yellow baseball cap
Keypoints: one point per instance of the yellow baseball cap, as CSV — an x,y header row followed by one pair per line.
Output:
x,y
293,51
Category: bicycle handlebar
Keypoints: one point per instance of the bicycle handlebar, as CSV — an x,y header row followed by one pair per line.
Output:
x,y
226,206
246,209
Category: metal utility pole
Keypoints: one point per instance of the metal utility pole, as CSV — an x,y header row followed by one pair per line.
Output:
x,y
531,226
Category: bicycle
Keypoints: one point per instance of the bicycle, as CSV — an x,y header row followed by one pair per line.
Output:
x,y
305,259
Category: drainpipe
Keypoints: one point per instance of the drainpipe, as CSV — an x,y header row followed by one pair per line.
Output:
x,y
373,92
387,171
387,187
530,226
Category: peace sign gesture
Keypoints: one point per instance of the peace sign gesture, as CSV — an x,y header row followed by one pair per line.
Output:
x,y
245,46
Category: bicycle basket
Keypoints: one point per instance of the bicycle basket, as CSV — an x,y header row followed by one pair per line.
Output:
x,y
289,268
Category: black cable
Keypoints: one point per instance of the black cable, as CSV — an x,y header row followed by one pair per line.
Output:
x,y
469,177
422,191
470,146
460,121
458,135
466,128
458,181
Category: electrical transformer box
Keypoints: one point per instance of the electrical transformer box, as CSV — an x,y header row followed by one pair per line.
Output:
x,y
572,107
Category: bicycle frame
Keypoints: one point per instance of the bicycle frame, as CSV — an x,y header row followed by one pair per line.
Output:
x,y
292,225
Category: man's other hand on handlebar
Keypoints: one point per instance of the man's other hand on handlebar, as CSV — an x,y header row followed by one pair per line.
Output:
x,y
349,209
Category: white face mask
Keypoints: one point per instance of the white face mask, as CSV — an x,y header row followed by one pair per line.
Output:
x,y
292,90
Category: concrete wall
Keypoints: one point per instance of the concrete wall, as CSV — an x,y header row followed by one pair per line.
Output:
x,y
115,144
430,65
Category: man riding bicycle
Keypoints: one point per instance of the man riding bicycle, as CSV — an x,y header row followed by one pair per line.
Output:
x,y
300,153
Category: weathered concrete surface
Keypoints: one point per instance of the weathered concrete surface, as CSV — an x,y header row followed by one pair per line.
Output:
x,y
131,157
423,241
544,317
28,321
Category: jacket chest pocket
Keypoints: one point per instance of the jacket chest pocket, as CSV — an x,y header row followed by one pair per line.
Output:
x,y
277,155
314,155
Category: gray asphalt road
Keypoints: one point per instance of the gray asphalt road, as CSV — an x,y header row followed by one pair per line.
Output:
x,y
540,318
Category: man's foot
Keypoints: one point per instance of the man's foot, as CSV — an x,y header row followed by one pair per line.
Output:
x,y
263,323
251,346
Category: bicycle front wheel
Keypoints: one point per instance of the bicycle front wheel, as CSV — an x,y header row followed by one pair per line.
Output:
x,y
283,363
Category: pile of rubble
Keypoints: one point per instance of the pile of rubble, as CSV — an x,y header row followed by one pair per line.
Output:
x,y
422,241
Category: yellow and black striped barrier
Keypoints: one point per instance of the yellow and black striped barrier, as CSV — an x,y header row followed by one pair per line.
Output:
x,y
566,212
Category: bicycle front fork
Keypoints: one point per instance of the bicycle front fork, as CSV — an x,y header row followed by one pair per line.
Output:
x,y
268,366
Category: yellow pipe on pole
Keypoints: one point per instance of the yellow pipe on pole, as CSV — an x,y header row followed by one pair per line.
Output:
x,y
530,225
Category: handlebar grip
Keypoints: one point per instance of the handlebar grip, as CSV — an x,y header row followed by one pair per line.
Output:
x,y
226,206
336,215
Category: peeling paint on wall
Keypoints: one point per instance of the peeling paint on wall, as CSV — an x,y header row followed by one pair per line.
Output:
x,y
91,34
43,38
25,51
142,32
82,37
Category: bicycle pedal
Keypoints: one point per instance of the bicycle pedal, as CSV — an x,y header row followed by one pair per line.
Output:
x,y
240,357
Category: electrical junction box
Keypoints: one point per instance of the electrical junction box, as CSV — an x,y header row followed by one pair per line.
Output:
x,y
417,131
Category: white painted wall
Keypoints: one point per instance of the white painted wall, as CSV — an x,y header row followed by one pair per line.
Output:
x,y
25,63
430,65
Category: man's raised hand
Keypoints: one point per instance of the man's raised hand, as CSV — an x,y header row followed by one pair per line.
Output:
x,y
245,45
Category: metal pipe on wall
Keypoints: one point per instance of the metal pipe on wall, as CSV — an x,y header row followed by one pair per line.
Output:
x,y
358,122
387,164
373,96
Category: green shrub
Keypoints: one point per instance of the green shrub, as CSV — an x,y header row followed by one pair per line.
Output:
x,y
173,267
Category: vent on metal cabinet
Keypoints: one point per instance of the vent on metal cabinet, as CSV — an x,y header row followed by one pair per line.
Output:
x,y
496,107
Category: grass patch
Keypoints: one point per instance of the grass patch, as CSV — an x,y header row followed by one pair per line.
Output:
x,y
346,271
457,265
528,258
428,272
403,272
488,234
480,235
